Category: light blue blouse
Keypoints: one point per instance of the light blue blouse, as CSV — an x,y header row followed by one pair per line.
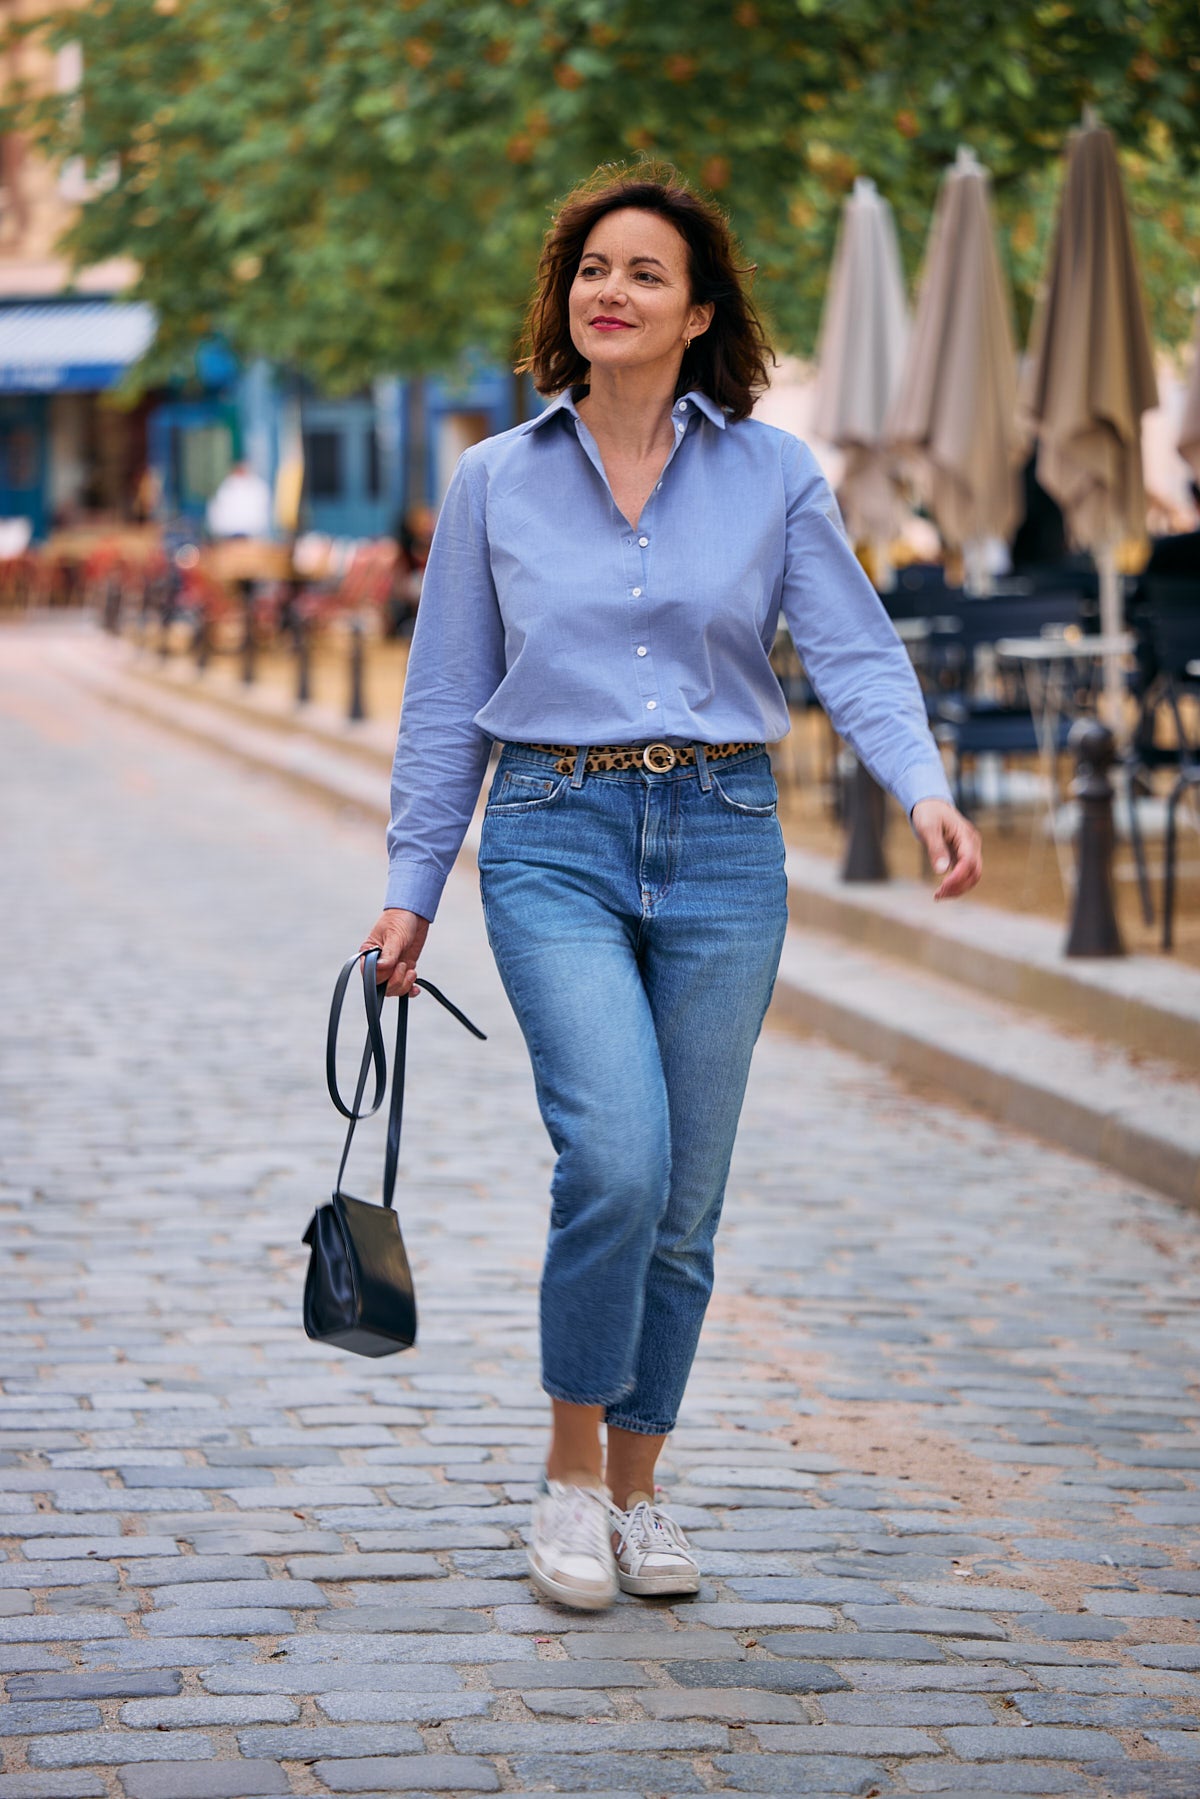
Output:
x,y
545,617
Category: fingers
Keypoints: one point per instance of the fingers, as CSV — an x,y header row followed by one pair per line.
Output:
x,y
952,844
960,854
399,937
396,969
934,840
931,836
400,982
389,955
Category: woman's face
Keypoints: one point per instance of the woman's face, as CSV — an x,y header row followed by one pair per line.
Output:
x,y
630,304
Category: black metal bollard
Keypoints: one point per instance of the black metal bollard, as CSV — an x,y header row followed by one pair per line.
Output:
x,y
112,605
865,858
249,646
164,605
1094,930
202,641
302,630
357,708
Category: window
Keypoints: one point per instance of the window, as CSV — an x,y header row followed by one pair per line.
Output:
x,y
323,464
205,455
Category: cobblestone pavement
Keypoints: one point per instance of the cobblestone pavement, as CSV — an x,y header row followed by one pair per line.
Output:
x,y
940,1454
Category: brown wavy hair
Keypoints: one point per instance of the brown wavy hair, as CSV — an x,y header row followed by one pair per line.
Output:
x,y
728,362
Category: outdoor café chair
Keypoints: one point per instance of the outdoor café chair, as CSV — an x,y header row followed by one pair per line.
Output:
x,y
1166,625
978,706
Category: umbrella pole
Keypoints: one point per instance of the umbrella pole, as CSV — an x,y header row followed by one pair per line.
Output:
x,y
1111,625
975,573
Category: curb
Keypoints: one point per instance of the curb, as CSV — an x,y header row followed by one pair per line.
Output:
x,y
1138,1118
1147,1004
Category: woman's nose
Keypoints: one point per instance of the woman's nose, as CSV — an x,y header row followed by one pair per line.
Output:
x,y
613,289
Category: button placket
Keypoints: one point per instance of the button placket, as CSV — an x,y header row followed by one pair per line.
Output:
x,y
646,684
637,539
642,541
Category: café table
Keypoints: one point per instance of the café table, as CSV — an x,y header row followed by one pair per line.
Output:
x,y
912,630
1048,665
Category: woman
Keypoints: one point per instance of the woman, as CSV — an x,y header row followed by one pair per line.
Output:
x,y
601,598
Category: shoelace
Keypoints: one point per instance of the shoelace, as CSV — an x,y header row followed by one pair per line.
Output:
x,y
646,1529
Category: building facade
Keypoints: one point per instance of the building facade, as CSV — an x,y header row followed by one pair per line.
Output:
x,y
72,454
63,343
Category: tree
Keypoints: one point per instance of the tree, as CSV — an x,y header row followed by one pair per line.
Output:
x,y
353,188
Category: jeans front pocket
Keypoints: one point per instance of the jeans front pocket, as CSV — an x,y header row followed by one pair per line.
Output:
x,y
515,790
748,788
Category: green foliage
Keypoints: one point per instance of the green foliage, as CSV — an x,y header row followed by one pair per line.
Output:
x,y
352,188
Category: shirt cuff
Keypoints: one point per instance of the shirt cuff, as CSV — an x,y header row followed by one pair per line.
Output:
x,y
415,888
925,781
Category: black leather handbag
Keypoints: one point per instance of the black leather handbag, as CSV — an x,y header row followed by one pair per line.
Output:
x,y
358,1293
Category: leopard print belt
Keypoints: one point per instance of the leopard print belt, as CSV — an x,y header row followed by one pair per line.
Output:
x,y
659,758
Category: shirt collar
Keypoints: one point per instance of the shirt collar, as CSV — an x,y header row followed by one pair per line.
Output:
x,y
694,399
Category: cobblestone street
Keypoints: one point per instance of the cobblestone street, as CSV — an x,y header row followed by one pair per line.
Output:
x,y
940,1455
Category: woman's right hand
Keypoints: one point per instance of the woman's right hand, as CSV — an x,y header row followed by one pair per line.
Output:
x,y
399,937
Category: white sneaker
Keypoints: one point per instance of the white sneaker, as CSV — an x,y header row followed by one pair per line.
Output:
x,y
652,1552
571,1555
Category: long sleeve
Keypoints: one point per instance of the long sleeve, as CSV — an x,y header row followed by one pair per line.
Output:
x,y
851,653
455,665
546,618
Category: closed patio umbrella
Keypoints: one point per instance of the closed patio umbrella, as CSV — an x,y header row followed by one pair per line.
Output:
x,y
1189,430
954,418
1090,374
860,356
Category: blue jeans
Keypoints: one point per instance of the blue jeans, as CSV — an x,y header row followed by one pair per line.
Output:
x,y
637,921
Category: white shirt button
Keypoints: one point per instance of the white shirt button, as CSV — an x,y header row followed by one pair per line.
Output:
x,y
641,649
643,541
658,487
682,406
651,705
637,593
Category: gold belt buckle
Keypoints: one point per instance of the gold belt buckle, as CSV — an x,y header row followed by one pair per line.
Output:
x,y
659,758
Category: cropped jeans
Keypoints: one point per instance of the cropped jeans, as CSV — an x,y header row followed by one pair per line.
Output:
x,y
637,921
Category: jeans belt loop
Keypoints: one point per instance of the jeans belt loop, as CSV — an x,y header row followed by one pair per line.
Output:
x,y
581,756
702,768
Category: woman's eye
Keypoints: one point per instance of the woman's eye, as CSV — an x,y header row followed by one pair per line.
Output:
x,y
595,271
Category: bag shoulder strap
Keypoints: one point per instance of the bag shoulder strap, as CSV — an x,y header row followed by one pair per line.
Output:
x,y
375,1055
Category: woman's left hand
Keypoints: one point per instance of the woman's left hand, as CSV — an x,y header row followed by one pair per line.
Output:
x,y
952,844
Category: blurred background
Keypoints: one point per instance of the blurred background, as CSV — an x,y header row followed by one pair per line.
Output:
x,y
262,273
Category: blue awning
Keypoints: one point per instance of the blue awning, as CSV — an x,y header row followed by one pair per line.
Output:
x,y
71,346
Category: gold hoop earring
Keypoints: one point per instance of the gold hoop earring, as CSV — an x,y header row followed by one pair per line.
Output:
x,y
687,344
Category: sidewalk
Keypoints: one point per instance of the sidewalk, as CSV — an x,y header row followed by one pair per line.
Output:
x,y
1102,1058
939,1456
